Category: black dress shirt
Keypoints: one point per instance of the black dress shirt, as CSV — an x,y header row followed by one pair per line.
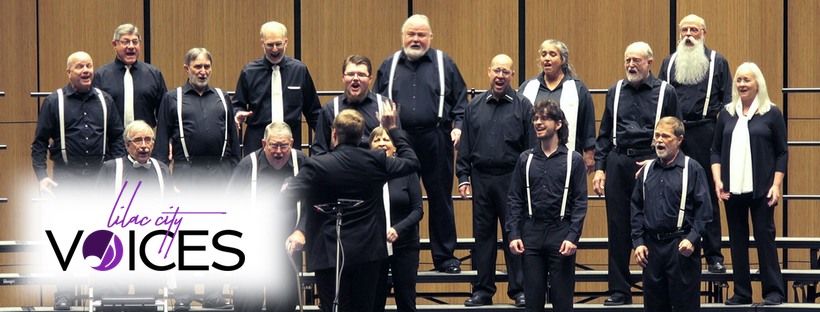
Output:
x,y
585,125
405,209
691,97
368,107
656,203
494,133
83,131
269,180
547,177
349,172
203,120
149,189
149,88
767,141
298,94
636,117
416,90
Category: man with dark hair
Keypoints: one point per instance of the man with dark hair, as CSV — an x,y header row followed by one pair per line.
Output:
x,y
497,127
348,173
548,204
431,92
275,87
356,74
703,84
137,87
670,209
633,106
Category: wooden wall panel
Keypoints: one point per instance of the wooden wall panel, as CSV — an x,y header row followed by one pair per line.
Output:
x,y
804,65
230,31
19,31
332,30
91,29
487,28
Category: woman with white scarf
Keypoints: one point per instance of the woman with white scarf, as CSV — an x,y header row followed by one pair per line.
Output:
x,y
749,158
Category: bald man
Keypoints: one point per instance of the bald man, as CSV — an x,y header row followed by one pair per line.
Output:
x,y
497,127
89,132
703,84
633,107
275,87
85,130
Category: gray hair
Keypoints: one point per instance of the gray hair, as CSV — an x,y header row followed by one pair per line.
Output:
x,y
642,47
136,125
194,53
567,68
126,29
277,127
416,19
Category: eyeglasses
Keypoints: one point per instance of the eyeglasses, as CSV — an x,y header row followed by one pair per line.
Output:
x,y
126,42
355,74
142,141
278,146
502,72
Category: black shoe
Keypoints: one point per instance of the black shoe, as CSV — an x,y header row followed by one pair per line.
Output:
x,y
737,300
520,300
478,300
182,305
771,301
716,267
616,300
61,303
451,267
217,303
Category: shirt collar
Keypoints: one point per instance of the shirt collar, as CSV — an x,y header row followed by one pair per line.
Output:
x,y
678,162
282,64
136,164
370,97
69,90
648,83
509,96
427,55
188,88
121,65
543,81
562,149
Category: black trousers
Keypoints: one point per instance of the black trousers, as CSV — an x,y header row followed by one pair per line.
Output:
x,y
357,286
404,264
671,281
278,298
620,180
738,208
490,208
698,141
435,152
544,264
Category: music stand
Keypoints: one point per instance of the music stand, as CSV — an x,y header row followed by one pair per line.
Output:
x,y
337,208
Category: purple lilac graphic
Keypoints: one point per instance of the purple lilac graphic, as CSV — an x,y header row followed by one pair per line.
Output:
x,y
103,245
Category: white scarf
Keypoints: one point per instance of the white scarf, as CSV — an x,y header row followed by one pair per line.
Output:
x,y
740,152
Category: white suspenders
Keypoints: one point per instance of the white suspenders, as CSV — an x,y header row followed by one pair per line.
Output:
x,y
566,184
569,104
386,200
684,186
182,132
255,177
118,175
708,86
618,99
439,63
336,105
61,112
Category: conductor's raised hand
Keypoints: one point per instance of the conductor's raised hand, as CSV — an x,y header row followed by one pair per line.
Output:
x,y
388,114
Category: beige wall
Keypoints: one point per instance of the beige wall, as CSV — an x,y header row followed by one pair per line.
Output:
x,y
472,32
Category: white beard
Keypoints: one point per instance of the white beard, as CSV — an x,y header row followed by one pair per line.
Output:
x,y
414,54
691,64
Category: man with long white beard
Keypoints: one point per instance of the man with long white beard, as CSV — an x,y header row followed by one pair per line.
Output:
x,y
703,84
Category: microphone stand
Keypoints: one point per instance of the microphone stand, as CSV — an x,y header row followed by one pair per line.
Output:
x,y
337,209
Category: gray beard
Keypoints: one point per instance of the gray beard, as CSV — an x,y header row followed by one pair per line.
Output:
x,y
691,64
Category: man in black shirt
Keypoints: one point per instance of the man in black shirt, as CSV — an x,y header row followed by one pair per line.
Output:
x,y
195,119
670,210
430,91
633,106
85,130
137,166
83,126
704,85
137,87
348,172
356,74
497,127
548,204
274,88
256,182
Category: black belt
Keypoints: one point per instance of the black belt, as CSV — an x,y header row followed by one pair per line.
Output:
x,y
663,236
634,151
